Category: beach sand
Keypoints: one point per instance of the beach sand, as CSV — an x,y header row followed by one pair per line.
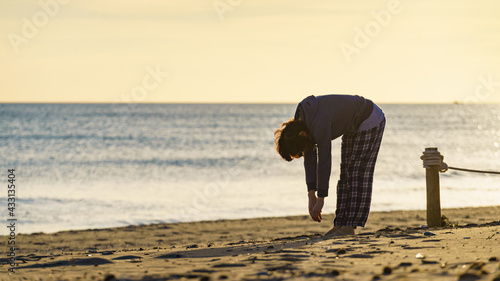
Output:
x,y
393,246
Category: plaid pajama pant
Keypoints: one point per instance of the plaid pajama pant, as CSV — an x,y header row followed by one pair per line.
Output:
x,y
354,189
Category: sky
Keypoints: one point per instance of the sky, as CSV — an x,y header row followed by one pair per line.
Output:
x,y
242,51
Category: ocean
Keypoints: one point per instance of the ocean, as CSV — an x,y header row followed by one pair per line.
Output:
x,y
80,166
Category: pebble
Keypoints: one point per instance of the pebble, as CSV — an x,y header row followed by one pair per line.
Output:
x,y
468,276
420,256
109,277
466,237
428,233
387,270
405,264
341,251
335,272
493,259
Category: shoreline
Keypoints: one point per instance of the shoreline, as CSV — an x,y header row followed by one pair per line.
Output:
x,y
159,222
266,248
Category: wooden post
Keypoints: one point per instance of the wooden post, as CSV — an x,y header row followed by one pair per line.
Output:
x,y
433,163
433,197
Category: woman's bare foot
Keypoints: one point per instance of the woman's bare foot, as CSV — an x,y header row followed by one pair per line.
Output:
x,y
337,231
331,231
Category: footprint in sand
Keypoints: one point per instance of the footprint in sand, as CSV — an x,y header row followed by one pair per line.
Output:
x,y
89,261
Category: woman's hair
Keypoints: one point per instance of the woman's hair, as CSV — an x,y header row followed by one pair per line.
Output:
x,y
288,141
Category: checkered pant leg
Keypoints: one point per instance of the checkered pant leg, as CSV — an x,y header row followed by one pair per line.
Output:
x,y
354,189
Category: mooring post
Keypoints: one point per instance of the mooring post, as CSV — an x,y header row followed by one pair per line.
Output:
x,y
433,164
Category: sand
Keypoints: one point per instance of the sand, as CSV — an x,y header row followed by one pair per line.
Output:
x,y
393,246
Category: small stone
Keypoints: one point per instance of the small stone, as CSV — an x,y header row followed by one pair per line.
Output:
x,y
341,251
468,276
335,272
109,277
387,270
419,256
493,259
428,233
405,264
466,237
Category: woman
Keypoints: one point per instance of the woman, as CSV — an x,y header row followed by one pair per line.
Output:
x,y
318,121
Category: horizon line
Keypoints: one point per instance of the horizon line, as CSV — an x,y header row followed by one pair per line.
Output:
x,y
239,103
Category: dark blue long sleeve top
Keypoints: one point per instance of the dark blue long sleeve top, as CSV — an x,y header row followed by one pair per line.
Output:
x,y
327,118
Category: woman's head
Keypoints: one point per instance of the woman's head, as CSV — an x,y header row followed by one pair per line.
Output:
x,y
292,139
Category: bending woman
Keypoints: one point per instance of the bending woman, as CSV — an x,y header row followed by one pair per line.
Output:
x,y
318,121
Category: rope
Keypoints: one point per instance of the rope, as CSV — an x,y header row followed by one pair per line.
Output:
x,y
432,157
473,171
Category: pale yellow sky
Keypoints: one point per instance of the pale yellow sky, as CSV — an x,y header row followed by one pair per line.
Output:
x,y
249,51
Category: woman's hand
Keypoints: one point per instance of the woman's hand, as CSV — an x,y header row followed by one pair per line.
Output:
x,y
315,206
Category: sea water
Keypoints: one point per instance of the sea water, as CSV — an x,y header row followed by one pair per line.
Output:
x,y
80,166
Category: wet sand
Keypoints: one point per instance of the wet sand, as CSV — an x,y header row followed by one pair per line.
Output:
x,y
393,246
